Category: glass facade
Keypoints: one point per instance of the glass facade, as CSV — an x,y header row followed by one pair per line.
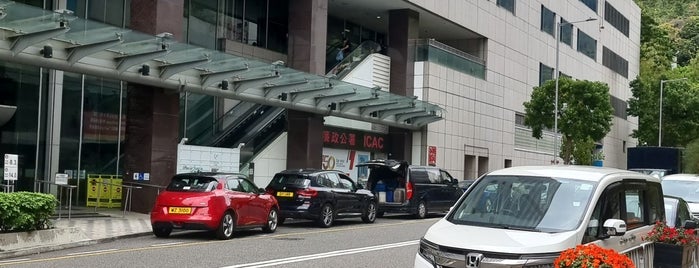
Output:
x,y
253,22
112,12
433,51
21,88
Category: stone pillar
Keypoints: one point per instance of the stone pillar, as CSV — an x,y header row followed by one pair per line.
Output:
x,y
403,25
152,113
308,23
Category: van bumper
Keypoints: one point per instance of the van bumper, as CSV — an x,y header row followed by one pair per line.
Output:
x,y
406,207
420,262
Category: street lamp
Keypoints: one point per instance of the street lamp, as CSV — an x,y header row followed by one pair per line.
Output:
x,y
557,73
660,117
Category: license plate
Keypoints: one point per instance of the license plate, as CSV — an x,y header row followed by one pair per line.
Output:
x,y
180,210
285,194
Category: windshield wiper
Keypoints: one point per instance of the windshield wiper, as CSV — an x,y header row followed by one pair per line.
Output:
x,y
531,229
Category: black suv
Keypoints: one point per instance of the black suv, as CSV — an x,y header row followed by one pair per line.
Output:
x,y
320,195
417,190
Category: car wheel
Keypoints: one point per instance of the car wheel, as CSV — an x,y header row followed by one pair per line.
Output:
x,y
369,214
272,221
327,216
421,210
225,228
162,230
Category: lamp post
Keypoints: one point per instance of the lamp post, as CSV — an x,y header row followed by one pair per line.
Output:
x,y
559,25
660,113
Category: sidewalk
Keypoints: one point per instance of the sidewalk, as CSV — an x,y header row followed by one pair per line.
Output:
x,y
80,230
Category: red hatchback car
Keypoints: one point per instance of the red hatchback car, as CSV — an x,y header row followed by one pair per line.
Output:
x,y
216,202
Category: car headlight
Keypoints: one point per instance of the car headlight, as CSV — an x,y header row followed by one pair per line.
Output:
x,y
428,250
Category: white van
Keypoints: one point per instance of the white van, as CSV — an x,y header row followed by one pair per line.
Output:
x,y
526,216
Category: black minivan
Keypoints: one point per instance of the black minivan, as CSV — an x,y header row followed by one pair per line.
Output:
x,y
417,190
320,195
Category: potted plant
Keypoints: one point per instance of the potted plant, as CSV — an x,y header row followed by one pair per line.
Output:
x,y
674,247
591,255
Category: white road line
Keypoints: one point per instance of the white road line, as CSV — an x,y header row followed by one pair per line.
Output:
x,y
14,260
166,244
323,255
90,252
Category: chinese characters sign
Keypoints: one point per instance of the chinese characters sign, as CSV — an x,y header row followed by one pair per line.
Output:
x,y
432,155
353,139
10,170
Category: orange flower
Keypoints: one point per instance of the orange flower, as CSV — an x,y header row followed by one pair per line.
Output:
x,y
591,255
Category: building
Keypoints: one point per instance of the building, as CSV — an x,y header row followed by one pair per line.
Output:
x,y
434,82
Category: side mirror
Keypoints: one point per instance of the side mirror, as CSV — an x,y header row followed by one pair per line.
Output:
x,y
454,181
614,227
689,224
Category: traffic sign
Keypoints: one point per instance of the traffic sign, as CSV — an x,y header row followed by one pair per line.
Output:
x,y
10,167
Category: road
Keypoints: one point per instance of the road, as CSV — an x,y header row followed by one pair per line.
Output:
x,y
389,242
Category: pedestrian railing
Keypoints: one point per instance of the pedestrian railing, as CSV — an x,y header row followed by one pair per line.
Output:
x,y
60,195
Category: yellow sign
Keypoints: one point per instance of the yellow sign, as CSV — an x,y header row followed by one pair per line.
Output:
x,y
103,190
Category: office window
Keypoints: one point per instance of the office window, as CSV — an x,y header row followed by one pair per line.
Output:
x,y
616,19
548,20
592,4
587,45
615,62
507,4
519,119
545,73
619,107
566,32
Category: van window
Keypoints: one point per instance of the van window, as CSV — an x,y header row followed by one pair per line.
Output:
x,y
419,175
540,204
446,177
434,176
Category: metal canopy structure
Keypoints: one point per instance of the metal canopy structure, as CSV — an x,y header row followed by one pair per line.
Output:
x,y
59,40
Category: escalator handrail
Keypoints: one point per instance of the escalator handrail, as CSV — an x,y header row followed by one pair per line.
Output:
x,y
364,49
245,108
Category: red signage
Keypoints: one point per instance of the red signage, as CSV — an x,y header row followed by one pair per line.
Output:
x,y
432,155
353,139
103,127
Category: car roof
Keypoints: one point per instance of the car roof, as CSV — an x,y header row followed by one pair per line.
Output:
x,y
681,177
588,173
308,171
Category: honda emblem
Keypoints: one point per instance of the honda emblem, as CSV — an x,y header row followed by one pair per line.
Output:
x,y
473,260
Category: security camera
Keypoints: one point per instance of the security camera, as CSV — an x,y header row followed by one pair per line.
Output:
x,y
64,11
165,35
278,63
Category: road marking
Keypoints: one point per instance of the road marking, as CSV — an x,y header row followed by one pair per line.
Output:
x,y
91,252
323,255
331,230
14,260
166,244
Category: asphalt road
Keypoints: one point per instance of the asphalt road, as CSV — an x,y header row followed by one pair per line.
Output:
x,y
389,242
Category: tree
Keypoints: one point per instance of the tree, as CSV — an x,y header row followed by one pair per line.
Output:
x,y
691,157
585,115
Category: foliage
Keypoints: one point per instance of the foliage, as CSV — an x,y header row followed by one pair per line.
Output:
x,y
691,157
661,233
591,255
25,211
585,114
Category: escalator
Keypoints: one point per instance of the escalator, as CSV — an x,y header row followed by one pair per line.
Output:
x,y
257,125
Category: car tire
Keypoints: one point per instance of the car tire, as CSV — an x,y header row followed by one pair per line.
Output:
x,y
272,221
226,226
327,216
421,212
162,230
369,215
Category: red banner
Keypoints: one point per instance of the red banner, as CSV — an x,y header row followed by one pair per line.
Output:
x,y
103,127
432,155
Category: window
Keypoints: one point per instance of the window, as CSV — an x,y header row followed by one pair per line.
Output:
x,y
248,187
615,62
446,177
519,119
434,176
566,32
548,20
345,183
507,4
192,184
619,107
587,45
419,175
334,180
616,19
592,4
233,185
545,73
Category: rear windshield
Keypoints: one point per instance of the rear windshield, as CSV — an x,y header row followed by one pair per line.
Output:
x,y
294,180
192,184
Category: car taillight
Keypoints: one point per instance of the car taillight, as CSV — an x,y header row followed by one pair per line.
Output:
x,y
309,192
409,191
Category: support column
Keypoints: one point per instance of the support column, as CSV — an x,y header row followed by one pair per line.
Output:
x,y
152,113
308,24
403,25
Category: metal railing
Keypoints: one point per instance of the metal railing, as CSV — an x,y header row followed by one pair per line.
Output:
x,y
60,194
127,199
445,55
7,188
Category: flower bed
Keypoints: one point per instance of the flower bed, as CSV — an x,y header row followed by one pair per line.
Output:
x,y
591,255
673,247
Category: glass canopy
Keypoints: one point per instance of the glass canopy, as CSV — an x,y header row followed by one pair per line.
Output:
x,y
60,40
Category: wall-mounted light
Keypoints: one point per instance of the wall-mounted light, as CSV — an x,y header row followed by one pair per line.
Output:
x,y
223,85
47,52
144,70
284,96
332,106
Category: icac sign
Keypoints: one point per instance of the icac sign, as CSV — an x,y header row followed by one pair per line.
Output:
x,y
353,140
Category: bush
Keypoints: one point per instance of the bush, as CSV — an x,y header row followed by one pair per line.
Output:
x,y
25,211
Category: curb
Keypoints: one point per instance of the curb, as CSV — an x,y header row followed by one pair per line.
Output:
x,y
49,248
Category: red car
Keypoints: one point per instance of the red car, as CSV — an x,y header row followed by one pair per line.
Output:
x,y
217,202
